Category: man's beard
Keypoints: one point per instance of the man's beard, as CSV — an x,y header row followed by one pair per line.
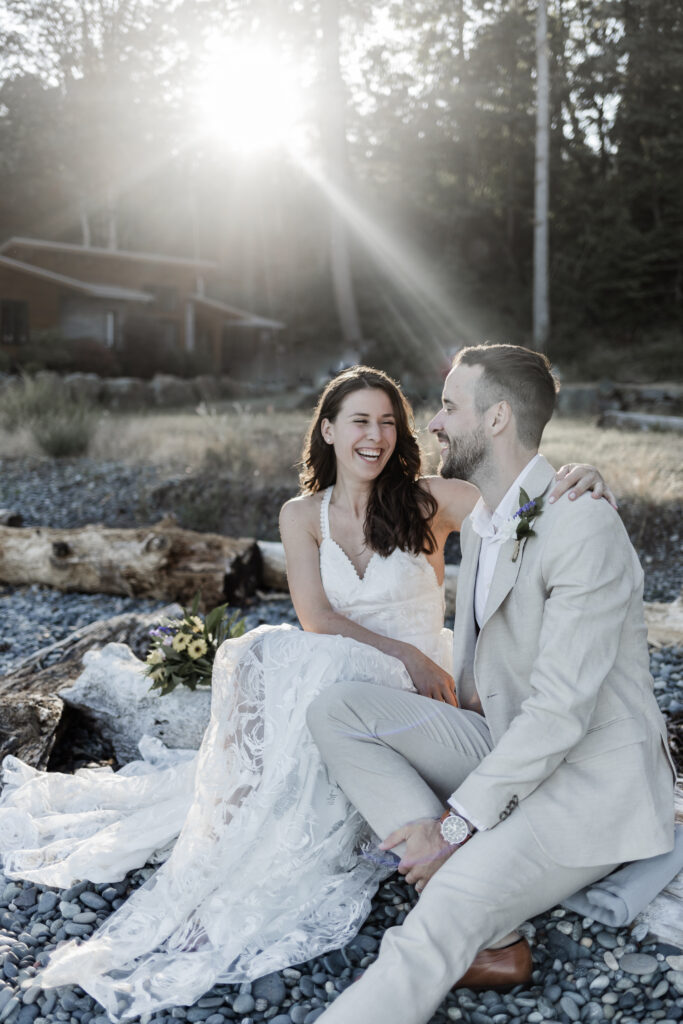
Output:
x,y
464,456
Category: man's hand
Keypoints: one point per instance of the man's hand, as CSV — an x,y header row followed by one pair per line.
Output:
x,y
425,850
579,477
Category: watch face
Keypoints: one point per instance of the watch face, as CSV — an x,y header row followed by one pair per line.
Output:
x,y
454,829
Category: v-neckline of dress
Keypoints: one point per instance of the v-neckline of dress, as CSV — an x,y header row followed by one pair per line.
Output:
x,y
327,535
373,556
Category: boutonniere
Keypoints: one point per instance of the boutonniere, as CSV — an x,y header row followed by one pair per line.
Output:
x,y
520,524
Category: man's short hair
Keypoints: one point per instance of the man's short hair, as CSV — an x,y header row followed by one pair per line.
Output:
x,y
519,376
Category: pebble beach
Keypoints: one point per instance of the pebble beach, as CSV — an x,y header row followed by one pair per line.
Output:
x,y
583,970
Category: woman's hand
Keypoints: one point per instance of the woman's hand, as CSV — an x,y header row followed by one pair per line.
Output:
x,y
577,477
429,679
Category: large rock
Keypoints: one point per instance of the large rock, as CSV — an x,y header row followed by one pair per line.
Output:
x,y
172,392
84,387
126,393
27,726
115,693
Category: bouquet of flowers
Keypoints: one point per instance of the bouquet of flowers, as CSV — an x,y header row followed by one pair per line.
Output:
x,y
183,650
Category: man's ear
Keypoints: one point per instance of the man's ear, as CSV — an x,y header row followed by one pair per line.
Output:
x,y
499,415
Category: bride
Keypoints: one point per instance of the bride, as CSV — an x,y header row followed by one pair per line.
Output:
x,y
271,865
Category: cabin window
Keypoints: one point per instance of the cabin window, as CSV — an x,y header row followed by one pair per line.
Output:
x,y
13,322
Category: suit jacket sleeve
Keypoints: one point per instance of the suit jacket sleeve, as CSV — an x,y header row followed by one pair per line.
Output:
x,y
587,568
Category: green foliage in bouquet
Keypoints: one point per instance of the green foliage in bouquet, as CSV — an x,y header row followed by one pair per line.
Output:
x,y
183,650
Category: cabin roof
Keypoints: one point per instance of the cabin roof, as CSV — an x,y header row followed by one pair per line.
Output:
x,y
93,250
98,291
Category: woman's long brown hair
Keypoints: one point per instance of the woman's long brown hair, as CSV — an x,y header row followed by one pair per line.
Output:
x,y
400,510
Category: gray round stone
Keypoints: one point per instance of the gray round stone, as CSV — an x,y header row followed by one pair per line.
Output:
x,y
244,1003
306,985
610,960
568,1006
271,988
638,963
93,900
675,978
47,901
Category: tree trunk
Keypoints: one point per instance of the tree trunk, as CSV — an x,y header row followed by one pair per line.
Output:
x,y
541,319
334,136
161,561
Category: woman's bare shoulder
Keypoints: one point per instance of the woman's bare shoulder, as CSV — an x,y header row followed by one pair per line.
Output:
x,y
302,511
448,489
455,498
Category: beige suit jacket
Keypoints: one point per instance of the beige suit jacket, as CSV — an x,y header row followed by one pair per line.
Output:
x,y
562,672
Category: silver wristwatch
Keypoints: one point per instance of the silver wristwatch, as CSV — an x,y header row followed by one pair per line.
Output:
x,y
455,830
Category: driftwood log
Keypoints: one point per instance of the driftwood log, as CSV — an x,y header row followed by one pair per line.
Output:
x,y
161,561
640,421
57,666
28,726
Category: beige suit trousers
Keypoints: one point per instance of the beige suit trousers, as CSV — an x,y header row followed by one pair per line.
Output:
x,y
398,757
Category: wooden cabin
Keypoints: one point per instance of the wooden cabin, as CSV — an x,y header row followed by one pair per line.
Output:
x,y
55,293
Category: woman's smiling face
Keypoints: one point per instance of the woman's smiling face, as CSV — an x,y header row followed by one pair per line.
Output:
x,y
363,432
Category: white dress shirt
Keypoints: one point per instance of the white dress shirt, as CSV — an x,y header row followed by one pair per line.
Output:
x,y
489,526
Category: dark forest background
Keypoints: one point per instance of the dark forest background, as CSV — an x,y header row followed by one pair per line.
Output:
x,y
421,113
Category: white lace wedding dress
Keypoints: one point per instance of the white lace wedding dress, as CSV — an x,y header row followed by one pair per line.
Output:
x,y
272,865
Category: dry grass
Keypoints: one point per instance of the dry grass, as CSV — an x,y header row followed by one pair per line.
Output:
x,y
636,464
244,443
267,444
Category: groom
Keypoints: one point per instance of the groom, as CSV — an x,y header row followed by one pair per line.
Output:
x,y
554,768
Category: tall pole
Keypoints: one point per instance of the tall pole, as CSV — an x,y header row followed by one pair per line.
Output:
x,y
335,142
541,311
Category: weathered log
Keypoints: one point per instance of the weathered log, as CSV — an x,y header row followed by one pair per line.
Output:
x,y
28,725
274,565
115,696
10,518
665,623
640,421
52,668
160,561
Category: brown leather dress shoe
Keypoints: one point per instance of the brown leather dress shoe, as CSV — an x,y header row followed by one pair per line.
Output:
x,y
499,969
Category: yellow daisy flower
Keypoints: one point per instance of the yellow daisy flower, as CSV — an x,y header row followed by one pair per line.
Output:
x,y
155,657
197,624
180,642
197,648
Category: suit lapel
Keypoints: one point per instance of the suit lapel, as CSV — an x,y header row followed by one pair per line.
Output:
x,y
464,634
505,576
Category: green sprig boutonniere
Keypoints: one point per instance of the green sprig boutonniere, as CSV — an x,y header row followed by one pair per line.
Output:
x,y
520,525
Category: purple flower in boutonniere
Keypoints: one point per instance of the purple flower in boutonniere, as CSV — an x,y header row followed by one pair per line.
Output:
x,y
521,523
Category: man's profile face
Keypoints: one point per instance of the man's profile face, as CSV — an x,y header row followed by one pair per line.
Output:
x,y
459,427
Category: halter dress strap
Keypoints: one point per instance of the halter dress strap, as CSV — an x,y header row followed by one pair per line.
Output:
x,y
325,513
